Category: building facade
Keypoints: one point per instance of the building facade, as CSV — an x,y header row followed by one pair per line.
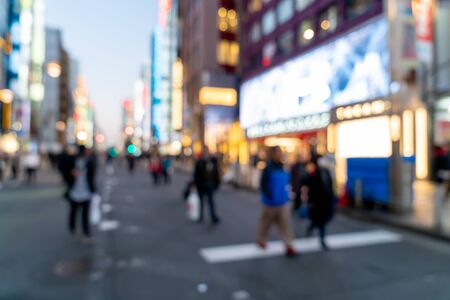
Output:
x,y
210,56
337,78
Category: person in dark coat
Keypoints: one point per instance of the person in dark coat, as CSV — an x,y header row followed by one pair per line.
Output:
x,y
320,198
298,171
207,182
81,188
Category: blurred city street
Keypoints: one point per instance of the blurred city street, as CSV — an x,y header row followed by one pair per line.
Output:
x,y
146,248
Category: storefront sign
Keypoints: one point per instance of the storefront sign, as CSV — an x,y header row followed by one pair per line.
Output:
x,y
218,96
362,110
286,126
349,70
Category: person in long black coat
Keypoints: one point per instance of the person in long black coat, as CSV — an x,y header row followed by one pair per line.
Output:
x,y
207,182
320,198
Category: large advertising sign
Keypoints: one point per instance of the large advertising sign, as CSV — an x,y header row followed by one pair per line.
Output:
x,y
351,69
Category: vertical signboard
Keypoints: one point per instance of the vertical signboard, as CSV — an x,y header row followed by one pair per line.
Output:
x,y
423,11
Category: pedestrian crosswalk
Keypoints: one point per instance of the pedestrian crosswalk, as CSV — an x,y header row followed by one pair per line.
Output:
x,y
233,253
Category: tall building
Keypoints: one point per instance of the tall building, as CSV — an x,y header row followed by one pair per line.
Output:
x,y
210,56
338,78
49,126
4,51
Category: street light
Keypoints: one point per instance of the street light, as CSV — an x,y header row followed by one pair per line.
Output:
x,y
54,69
6,96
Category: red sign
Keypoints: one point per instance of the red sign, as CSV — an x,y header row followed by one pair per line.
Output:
x,y
423,14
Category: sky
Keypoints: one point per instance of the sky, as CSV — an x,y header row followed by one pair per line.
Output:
x,y
110,39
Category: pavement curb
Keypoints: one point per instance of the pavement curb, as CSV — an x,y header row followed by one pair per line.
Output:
x,y
370,217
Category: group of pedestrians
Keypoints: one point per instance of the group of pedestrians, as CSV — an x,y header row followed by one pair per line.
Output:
x,y
160,169
308,185
11,167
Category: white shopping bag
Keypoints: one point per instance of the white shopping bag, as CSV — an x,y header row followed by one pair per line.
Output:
x,y
193,206
96,214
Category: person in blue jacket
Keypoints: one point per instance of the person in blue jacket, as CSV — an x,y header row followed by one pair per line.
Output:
x,y
275,198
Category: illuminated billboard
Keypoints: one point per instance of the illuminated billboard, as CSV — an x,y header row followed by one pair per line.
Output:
x,y
351,69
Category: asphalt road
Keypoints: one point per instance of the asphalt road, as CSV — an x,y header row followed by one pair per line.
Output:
x,y
146,248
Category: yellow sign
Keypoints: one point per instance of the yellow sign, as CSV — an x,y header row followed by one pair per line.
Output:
x,y
177,95
218,96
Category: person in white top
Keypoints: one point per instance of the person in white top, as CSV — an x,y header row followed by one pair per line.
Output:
x,y
31,163
81,189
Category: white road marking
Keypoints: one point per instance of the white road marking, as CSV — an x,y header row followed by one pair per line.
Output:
x,y
107,208
234,253
108,225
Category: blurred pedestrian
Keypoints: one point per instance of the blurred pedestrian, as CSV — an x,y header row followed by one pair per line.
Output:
x,y
3,164
31,164
155,168
81,189
166,169
207,182
298,171
15,167
275,190
131,163
320,197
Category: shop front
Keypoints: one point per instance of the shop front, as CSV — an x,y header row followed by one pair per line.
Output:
x,y
291,104
361,137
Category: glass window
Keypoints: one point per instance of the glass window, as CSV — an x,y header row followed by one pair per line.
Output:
x,y
329,20
227,20
269,22
306,32
254,6
255,33
233,55
356,8
222,52
228,53
285,11
269,51
285,43
302,4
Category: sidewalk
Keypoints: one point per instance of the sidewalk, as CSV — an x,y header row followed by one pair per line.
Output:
x,y
421,219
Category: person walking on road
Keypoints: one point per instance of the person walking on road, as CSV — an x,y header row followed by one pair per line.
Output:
x,y
3,164
31,164
166,169
275,198
81,188
207,182
320,197
297,173
155,168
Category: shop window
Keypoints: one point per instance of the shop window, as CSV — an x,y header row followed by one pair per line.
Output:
x,y
228,53
269,22
254,6
269,51
227,20
285,43
306,32
329,20
233,55
285,11
255,32
302,4
355,8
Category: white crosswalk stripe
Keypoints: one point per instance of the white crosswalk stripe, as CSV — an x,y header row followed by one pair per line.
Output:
x,y
234,253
